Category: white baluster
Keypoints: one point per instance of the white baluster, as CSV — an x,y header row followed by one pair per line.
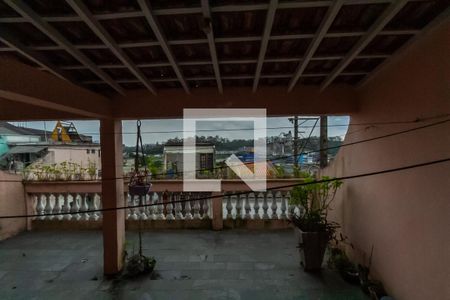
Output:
x,y
151,208
169,208
265,206
48,206
128,200
143,208
57,208
238,207
206,206
160,200
92,207
75,208
256,206
274,205
291,208
197,209
283,206
178,207
134,210
66,208
247,207
84,207
40,207
229,208
187,208
100,206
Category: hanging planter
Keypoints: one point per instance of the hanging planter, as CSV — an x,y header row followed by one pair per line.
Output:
x,y
140,179
139,185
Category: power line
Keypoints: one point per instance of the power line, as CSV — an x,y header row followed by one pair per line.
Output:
x,y
417,120
289,156
385,171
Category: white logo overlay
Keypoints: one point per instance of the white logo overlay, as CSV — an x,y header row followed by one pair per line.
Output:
x,y
256,179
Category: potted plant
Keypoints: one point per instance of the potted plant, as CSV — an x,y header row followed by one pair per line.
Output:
x,y
313,229
339,261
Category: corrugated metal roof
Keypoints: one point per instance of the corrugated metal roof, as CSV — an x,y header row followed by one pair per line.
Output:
x,y
26,149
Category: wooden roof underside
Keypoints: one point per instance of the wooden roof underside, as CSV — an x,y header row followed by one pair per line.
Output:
x,y
111,46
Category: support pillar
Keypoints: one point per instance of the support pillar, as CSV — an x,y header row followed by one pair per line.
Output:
x,y
112,195
323,141
217,212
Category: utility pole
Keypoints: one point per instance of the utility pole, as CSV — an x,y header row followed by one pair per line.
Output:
x,y
323,141
296,142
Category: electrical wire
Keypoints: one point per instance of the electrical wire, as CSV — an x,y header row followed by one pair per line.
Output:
x,y
374,173
289,156
416,120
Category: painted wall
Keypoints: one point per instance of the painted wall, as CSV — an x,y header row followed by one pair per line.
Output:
x,y
12,202
76,154
404,215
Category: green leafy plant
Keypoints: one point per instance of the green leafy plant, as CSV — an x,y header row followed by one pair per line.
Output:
x,y
280,172
314,200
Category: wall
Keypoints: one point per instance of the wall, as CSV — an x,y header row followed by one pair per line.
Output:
x,y
12,202
404,215
76,154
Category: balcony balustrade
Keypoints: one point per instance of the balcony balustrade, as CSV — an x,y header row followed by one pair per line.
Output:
x,y
78,205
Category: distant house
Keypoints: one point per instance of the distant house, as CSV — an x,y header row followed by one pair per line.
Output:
x,y
24,146
173,156
66,132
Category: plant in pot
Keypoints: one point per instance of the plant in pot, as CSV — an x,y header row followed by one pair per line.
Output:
x,y
339,261
314,231
139,186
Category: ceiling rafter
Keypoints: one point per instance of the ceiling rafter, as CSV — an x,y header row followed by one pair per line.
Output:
x,y
320,34
376,27
25,11
238,61
107,39
208,29
265,41
37,58
197,10
221,40
230,77
145,7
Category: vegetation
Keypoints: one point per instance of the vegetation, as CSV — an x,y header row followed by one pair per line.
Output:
x,y
314,199
62,171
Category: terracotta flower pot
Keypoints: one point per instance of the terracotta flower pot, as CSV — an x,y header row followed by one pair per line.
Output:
x,y
312,246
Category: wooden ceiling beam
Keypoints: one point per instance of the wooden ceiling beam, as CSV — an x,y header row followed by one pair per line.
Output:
x,y
106,38
318,37
145,7
220,40
273,4
25,11
377,27
208,29
225,62
36,57
24,84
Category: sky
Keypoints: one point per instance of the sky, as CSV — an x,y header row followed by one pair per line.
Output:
x,y
160,130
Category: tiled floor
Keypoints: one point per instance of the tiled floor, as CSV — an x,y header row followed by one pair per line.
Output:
x,y
190,265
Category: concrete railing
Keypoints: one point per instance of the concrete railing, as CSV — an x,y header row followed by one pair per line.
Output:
x,y
74,205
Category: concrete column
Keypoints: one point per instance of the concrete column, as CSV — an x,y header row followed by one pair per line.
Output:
x,y
323,141
217,212
112,195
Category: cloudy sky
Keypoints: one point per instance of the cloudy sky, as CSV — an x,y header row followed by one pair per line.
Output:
x,y
160,130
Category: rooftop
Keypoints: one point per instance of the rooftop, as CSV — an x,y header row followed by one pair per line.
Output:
x,y
198,264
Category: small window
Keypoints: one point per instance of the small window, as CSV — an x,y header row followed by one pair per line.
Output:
x,y
93,151
87,151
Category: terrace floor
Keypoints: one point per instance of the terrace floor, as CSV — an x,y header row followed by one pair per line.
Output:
x,y
197,264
